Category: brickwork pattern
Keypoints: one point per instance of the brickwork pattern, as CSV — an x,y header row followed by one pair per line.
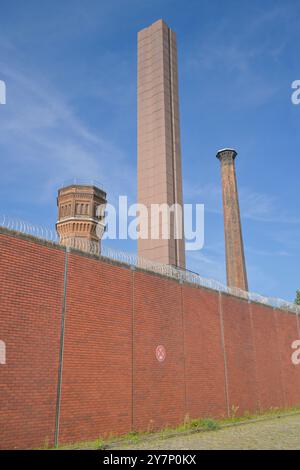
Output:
x,y
235,257
159,150
31,290
223,354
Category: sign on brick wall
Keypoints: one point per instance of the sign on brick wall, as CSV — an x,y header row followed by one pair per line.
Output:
x,y
2,352
161,353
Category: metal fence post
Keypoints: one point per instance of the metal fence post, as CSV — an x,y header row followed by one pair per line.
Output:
x,y
61,351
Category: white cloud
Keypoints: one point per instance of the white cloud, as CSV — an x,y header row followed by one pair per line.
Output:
x,y
41,129
233,56
254,205
208,265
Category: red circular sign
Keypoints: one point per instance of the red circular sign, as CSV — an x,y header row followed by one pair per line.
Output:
x,y
160,353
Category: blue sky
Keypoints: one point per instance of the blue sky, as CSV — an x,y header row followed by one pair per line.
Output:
x,y
70,71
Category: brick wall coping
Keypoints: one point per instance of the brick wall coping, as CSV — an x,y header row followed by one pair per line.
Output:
x,y
126,265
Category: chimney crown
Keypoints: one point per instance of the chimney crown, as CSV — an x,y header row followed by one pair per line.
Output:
x,y
226,153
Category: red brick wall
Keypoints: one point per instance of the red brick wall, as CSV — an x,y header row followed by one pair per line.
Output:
x,y
159,389
31,286
286,325
205,374
97,360
222,353
240,357
267,353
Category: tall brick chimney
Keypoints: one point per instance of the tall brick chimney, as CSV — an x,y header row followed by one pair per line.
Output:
x,y
159,148
80,216
235,258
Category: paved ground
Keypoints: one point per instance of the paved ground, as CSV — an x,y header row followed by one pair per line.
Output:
x,y
280,433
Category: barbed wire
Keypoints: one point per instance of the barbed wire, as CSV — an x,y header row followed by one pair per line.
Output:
x,y
194,278
28,228
93,248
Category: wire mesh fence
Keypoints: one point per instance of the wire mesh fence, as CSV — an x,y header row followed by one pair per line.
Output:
x,y
82,182
131,259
